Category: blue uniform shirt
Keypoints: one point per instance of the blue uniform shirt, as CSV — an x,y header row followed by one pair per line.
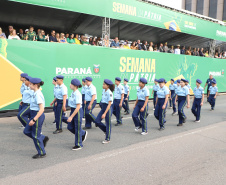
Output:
x,y
182,91
107,96
126,89
55,90
90,91
162,92
84,89
156,87
209,82
119,90
177,88
61,90
213,90
173,87
37,99
22,88
75,99
27,94
198,92
142,93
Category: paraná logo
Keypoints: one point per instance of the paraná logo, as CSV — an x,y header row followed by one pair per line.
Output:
x,y
96,68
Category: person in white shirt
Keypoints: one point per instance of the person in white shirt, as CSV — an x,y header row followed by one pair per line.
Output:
x,y
177,50
14,36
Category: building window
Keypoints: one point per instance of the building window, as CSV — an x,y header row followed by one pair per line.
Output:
x,y
199,8
224,11
188,5
213,9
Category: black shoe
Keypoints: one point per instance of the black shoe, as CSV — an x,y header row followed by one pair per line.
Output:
x,y
147,114
45,140
126,113
162,128
85,128
37,156
180,124
184,121
124,110
121,117
84,136
76,148
58,131
54,121
96,125
118,124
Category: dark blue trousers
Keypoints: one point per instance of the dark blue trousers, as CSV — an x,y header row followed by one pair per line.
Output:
x,y
59,114
117,110
24,114
159,112
54,110
172,102
212,100
181,105
34,132
106,128
196,108
75,127
83,105
125,104
155,96
89,115
143,116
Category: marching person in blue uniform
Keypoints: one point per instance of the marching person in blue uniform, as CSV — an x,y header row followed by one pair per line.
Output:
x,y
212,94
54,94
60,102
90,102
182,97
155,89
126,97
106,110
198,100
172,88
118,99
208,84
24,113
161,102
75,119
187,84
34,128
141,107
23,86
83,95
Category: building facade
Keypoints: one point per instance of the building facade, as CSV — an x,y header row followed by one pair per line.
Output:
x,y
211,8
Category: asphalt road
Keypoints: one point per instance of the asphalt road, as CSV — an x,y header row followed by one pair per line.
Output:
x,y
192,154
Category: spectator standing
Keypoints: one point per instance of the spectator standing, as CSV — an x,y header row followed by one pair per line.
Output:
x,y
161,47
77,41
94,41
14,36
62,39
193,52
139,45
207,53
177,50
41,36
53,38
188,51
67,36
21,33
197,52
156,48
216,55
126,45
171,50
98,41
201,53
91,41
165,48
2,35
85,42
10,30
115,43
58,37
150,46
145,46
182,50
71,39
223,55
31,35
133,46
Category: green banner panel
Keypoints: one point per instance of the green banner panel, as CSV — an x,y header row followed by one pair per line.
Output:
x,y
46,60
139,12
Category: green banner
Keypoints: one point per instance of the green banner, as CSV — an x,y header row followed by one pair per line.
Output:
x,y
139,12
46,60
